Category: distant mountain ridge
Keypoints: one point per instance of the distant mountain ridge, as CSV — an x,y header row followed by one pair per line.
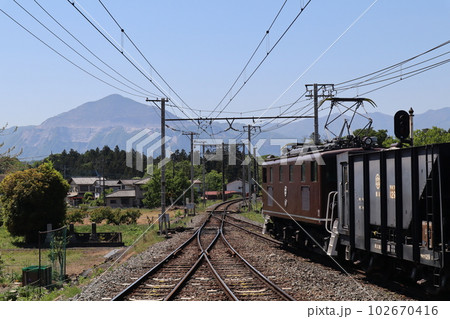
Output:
x,y
115,119
111,111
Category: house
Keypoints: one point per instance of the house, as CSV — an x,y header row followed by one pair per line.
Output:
x,y
130,194
236,186
82,185
122,198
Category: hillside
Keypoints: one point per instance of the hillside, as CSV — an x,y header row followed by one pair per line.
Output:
x,y
114,119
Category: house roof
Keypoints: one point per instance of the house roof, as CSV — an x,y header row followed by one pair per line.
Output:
x,y
122,193
142,181
85,180
111,183
237,180
219,192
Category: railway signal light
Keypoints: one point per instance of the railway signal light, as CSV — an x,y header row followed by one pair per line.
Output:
x,y
401,125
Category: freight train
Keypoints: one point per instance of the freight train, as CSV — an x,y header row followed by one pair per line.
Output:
x,y
382,208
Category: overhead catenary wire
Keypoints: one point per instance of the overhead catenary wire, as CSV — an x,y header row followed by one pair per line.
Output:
x,y
263,59
63,56
250,59
123,31
320,56
384,72
396,64
142,94
92,53
124,53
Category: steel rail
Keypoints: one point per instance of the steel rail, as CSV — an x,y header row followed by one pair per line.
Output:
x,y
120,296
243,221
253,233
269,283
127,291
204,256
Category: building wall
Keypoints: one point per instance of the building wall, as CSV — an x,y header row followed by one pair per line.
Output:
x,y
237,186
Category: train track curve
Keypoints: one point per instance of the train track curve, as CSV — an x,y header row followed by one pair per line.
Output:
x,y
204,267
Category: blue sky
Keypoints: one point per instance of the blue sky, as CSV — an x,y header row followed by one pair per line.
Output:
x,y
200,47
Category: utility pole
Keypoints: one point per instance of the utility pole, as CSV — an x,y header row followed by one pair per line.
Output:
x,y
244,193
163,167
223,171
249,128
203,173
326,90
191,134
255,169
249,169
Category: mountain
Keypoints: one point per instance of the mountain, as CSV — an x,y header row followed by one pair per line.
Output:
x,y
111,111
114,120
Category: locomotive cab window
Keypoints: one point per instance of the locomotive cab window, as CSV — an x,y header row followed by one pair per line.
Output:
x,y
291,173
280,173
303,172
270,174
264,175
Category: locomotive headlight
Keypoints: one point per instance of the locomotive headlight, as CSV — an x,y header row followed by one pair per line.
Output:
x,y
368,141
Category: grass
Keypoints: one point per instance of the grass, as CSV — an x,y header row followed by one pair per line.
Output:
x,y
254,214
9,242
15,257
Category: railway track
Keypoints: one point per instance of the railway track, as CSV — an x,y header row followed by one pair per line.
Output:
x,y
204,267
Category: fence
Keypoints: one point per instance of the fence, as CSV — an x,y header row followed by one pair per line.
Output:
x,y
52,257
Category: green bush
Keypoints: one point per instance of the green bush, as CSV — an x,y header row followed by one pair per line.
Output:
x,y
99,214
88,197
76,216
133,215
124,216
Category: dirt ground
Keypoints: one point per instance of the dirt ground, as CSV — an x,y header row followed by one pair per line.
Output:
x,y
95,256
91,257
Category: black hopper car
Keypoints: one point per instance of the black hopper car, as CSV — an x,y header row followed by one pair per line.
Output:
x,y
379,207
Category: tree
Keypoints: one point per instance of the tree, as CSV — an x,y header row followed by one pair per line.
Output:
x,y
213,181
431,136
177,182
31,199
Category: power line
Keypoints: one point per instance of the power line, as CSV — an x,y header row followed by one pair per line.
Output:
x,y
143,56
396,64
63,56
321,55
78,53
384,73
90,51
263,59
250,59
121,51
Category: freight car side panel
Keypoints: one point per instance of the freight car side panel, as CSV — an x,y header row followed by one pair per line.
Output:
x,y
390,189
358,182
406,184
374,187
400,203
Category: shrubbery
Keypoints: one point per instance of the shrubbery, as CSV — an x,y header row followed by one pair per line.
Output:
x,y
116,216
99,214
76,216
